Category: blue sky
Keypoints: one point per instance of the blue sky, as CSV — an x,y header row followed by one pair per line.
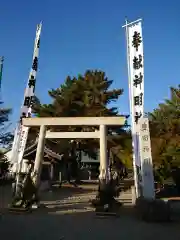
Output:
x,y
79,35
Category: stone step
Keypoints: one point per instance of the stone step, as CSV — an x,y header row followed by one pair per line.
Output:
x,y
125,197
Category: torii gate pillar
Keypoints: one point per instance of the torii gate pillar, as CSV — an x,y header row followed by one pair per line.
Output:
x,y
104,166
39,155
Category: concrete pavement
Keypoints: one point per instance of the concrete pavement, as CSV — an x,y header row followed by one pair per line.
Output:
x,y
68,216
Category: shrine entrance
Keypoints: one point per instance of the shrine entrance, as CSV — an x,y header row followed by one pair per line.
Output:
x,y
100,134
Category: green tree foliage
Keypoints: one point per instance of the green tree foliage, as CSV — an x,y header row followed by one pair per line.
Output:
x,y
122,148
5,136
4,164
165,134
88,95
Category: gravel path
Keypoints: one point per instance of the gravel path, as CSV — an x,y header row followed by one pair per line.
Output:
x,y
68,216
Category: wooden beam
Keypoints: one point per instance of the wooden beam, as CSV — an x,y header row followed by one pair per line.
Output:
x,y
72,135
74,121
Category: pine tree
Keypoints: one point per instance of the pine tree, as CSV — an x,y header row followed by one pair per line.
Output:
x,y
165,133
88,95
5,136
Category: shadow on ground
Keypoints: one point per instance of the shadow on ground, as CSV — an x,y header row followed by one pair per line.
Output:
x,y
83,225
67,215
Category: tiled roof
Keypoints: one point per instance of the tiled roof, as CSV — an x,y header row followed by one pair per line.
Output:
x,y
31,149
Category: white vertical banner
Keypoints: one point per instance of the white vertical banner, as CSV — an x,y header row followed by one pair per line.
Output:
x,y
146,160
135,58
136,65
21,132
136,70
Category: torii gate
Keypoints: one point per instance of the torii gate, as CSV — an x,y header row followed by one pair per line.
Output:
x,y
101,134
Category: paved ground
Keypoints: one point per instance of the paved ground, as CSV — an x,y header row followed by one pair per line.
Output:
x,y
68,216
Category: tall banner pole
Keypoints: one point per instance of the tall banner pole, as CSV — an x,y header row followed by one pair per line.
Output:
x,y
21,132
1,72
130,106
1,69
135,62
